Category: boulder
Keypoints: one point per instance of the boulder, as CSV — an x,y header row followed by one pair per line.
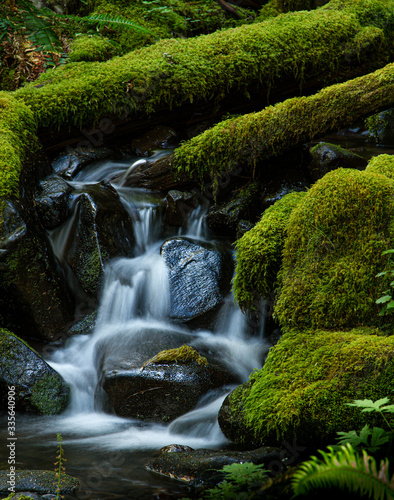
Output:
x,y
325,157
199,277
381,127
37,387
159,137
52,202
141,383
195,467
157,175
39,482
35,301
69,163
178,207
382,164
101,230
301,391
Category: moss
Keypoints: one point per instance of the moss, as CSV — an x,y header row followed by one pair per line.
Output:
x,y
92,48
333,252
382,164
17,141
275,7
308,376
183,354
259,253
293,46
48,395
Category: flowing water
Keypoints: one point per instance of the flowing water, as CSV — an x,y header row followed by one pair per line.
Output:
x,y
104,451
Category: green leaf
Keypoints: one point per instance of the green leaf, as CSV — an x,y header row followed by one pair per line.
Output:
x,y
388,251
385,298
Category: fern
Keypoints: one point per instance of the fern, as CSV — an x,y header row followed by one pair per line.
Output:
x,y
370,439
346,470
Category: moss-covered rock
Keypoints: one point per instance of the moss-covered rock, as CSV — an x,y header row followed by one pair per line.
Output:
x,y
333,251
259,253
301,390
37,387
382,164
183,354
39,481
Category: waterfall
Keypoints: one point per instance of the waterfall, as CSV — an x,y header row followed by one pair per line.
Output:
x,y
134,300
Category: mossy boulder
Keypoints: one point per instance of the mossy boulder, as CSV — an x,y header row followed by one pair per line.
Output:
x,y
326,157
92,48
301,391
333,251
39,481
382,164
259,253
38,387
381,127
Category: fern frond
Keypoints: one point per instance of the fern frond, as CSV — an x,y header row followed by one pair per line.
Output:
x,y
346,470
102,19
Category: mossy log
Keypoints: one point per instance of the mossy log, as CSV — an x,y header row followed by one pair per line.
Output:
x,y
257,136
292,47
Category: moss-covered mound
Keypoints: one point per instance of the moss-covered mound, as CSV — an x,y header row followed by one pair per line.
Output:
x,y
259,253
92,48
183,354
333,251
17,141
293,46
382,164
301,390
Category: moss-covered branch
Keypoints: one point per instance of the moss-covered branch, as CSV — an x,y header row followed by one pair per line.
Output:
x,y
17,140
257,136
292,47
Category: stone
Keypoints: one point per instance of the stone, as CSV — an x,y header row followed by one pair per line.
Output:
x,y
178,207
38,387
199,277
70,163
38,481
159,137
52,202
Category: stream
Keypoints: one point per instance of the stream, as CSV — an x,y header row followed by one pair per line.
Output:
x,y
107,452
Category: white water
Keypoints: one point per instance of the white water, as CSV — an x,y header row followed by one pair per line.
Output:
x,y
134,299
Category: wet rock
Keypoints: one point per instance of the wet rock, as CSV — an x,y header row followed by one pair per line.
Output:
x,y
38,387
85,326
179,206
202,466
275,191
326,157
38,481
68,164
381,127
159,392
35,301
159,175
199,277
174,448
246,204
243,227
159,137
52,202
102,230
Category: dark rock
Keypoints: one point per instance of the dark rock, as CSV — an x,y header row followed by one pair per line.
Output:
x,y
70,163
179,206
326,157
174,448
246,204
381,127
275,191
153,393
159,137
159,175
52,202
102,230
202,466
199,277
243,227
38,481
38,387
233,423
85,326
35,301
161,392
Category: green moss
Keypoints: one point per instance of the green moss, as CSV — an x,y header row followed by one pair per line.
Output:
x,y
259,253
382,164
183,354
308,376
17,141
92,48
333,252
275,7
292,46
48,396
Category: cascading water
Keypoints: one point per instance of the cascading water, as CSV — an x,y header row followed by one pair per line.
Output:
x,y
135,298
